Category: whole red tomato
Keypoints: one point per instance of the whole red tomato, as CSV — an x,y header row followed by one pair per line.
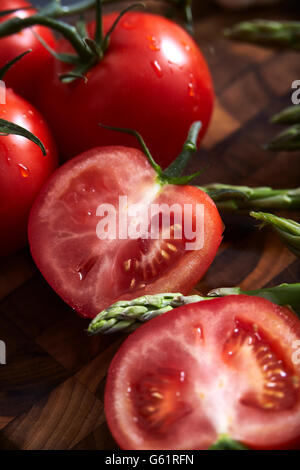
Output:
x,y
24,75
153,78
23,170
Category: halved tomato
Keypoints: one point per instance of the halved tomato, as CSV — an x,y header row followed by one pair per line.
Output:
x,y
91,273
218,367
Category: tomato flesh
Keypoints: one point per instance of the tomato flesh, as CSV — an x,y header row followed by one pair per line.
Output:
x,y
222,366
153,78
91,273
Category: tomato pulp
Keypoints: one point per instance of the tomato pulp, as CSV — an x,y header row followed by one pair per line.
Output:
x,y
218,367
90,273
153,78
23,170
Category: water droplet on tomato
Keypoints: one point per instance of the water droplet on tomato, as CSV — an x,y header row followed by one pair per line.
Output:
x,y
153,46
86,267
191,86
191,89
186,46
197,329
23,170
157,68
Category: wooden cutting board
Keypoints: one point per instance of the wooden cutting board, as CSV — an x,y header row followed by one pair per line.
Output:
x,y
51,389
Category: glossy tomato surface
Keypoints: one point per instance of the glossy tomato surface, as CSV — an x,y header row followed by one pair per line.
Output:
x,y
24,76
23,170
220,367
153,78
91,273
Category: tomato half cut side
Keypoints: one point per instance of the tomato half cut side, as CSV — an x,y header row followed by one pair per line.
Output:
x,y
217,367
90,273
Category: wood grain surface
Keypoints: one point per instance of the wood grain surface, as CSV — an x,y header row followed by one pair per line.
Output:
x,y
51,389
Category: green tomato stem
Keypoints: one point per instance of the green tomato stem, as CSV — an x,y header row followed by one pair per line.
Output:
x,y
7,66
7,128
190,146
99,29
15,25
167,176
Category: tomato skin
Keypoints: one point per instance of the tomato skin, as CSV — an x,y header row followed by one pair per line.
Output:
x,y
23,170
68,204
215,385
153,79
25,75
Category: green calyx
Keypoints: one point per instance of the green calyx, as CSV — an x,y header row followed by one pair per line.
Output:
x,y
224,442
88,50
172,174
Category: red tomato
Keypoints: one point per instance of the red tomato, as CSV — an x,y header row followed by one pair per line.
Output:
x,y
223,366
23,170
90,274
153,79
25,75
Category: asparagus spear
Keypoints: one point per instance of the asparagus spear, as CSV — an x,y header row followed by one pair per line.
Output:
x,y
229,197
126,316
275,33
289,139
271,33
284,294
287,229
290,115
